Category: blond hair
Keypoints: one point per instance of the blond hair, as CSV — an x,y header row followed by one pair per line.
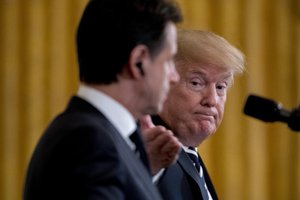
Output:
x,y
208,48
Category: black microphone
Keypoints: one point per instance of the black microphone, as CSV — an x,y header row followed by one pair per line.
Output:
x,y
271,111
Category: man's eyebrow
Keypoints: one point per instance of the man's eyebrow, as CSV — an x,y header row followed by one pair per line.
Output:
x,y
198,73
227,76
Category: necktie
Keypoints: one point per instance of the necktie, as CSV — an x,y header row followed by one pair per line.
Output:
x,y
135,137
193,155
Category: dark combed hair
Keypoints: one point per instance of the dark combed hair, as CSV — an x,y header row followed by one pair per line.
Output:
x,y
110,29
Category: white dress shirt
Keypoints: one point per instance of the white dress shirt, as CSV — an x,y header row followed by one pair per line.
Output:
x,y
116,113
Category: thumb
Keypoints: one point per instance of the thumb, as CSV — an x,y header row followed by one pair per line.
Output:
x,y
146,122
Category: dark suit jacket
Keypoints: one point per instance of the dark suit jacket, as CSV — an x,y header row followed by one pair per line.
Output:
x,y
82,156
181,181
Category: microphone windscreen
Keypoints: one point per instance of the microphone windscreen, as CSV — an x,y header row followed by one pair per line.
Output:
x,y
261,108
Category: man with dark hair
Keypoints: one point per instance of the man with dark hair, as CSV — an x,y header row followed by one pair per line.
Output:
x,y
93,150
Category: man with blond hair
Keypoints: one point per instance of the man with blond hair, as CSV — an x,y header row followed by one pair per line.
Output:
x,y
194,109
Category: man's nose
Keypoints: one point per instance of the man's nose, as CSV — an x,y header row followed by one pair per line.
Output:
x,y
210,96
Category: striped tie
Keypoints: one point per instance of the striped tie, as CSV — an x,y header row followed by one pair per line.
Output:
x,y
193,155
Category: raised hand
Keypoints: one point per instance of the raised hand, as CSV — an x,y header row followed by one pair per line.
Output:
x,y
162,146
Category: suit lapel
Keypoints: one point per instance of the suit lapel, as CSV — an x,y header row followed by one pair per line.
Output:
x,y
190,169
135,166
208,181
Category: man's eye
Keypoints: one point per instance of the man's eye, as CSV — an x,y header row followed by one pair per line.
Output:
x,y
221,87
195,83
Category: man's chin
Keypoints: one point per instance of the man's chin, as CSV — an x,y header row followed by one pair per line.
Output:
x,y
207,129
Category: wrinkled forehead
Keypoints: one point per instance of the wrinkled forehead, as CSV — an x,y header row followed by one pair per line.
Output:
x,y
204,67
207,71
206,61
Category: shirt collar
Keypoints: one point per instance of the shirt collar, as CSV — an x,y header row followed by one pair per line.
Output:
x,y
116,113
185,148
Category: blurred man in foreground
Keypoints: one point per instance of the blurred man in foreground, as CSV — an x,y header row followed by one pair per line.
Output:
x,y
93,150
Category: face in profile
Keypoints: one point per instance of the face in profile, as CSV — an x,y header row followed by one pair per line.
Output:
x,y
161,72
195,106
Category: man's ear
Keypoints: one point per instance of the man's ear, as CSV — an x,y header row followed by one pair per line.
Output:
x,y
139,65
139,57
